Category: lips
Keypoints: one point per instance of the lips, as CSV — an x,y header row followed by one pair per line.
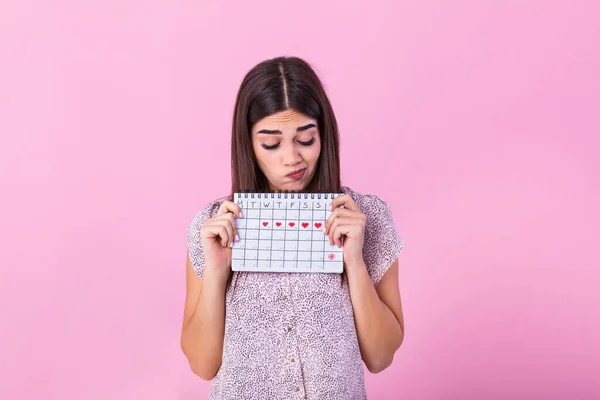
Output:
x,y
297,173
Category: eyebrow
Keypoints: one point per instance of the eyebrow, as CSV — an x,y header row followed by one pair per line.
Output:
x,y
278,132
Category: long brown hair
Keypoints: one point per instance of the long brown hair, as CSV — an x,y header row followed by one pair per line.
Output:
x,y
275,85
272,86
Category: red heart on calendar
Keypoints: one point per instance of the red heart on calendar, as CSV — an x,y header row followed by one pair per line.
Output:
x,y
304,224
318,225
278,223
331,256
265,223
291,224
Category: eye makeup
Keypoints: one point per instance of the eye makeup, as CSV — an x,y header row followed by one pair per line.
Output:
x,y
272,147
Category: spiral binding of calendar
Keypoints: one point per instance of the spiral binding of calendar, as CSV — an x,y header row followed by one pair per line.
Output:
x,y
287,195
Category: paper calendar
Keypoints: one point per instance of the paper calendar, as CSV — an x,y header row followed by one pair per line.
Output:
x,y
285,232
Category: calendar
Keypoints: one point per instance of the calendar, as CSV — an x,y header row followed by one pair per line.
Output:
x,y
285,232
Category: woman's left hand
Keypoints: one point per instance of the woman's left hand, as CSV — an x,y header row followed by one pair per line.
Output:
x,y
348,221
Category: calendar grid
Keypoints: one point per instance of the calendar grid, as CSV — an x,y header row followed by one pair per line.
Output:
x,y
284,236
303,217
271,249
259,234
245,232
298,237
312,221
324,247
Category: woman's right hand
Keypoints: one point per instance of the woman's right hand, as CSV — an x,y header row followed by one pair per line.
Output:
x,y
217,235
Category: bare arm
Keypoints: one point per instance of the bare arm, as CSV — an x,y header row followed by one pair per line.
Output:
x,y
203,322
377,311
378,316
203,329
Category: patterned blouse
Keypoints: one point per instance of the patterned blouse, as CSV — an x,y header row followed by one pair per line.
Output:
x,y
292,335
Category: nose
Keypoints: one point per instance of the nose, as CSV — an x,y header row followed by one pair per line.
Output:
x,y
290,156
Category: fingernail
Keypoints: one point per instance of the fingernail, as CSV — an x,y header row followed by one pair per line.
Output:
x,y
237,238
231,244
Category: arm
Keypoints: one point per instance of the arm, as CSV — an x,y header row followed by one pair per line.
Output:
x,y
203,329
377,314
203,322
377,310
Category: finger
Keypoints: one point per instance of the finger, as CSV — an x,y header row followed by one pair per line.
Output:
x,y
230,206
329,222
333,224
234,228
344,200
338,212
337,223
228,225
217,230
340,230
231,224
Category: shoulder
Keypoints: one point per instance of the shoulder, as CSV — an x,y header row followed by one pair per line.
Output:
x,y
205,212
371,205
382,242
194,242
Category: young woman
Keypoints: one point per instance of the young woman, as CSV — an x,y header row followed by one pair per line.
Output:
x,y
291,335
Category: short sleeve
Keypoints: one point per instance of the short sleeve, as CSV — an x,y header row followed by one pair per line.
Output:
x,y
382,243
193,237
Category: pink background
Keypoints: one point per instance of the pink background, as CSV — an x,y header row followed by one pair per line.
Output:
x,y
476,120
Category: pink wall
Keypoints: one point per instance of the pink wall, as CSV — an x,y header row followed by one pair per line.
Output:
x,y
476,120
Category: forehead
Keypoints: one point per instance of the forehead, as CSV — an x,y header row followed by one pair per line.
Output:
x,y
285,118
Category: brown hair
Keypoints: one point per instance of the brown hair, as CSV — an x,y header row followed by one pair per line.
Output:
x,y
273,86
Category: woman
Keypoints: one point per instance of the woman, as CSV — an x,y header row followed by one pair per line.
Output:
x,y
291,335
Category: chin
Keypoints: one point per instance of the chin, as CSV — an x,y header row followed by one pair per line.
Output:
x,y
293,186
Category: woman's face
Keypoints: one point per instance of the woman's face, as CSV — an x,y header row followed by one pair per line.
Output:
x,y
287,148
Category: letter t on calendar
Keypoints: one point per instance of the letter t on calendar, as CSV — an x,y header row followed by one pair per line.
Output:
x,y
284,232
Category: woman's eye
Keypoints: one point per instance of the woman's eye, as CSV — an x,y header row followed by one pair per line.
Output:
x,y
311,141
272,147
